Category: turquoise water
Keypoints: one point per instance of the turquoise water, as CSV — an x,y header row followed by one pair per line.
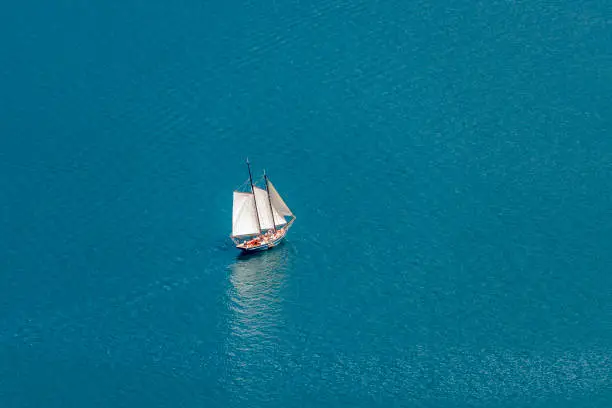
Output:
x,y
449,165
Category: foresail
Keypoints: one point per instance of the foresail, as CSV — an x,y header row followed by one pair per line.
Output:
x,y
277,202
244,216
278,219
263,209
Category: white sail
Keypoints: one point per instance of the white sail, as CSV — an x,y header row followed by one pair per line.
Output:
x,y
263,209
244,216
277,202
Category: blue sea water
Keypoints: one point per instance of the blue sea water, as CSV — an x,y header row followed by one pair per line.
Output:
x,y
449,164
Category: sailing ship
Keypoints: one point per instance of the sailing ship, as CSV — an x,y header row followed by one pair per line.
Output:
x,y
259,216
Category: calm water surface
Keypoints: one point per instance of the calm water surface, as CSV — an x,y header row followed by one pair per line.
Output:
x,y
449,164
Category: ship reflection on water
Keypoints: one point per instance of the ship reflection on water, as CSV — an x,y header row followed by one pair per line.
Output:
x,y
255,299
256,319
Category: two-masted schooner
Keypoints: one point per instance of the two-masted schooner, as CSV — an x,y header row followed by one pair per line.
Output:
x,y
258,217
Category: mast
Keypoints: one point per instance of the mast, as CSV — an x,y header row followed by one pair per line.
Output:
x,y
270,201
253,191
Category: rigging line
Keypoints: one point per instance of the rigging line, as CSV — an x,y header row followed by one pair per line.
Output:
x,y
242,186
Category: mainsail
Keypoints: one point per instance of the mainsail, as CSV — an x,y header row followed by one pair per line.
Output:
x,y
277,202
244,216
263,209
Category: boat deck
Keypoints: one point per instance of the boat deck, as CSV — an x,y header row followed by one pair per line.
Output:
x,y
263,242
